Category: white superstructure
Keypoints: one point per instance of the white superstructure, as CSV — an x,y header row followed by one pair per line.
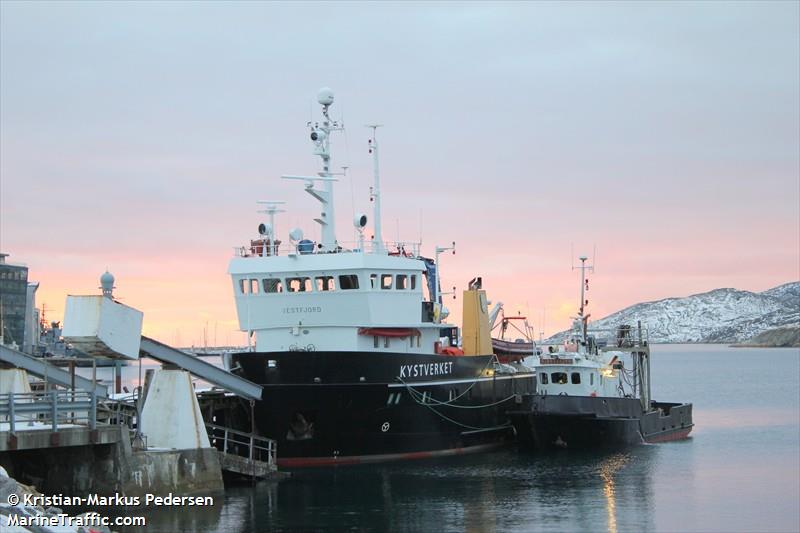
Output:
x,y
329,295
579,372
577,367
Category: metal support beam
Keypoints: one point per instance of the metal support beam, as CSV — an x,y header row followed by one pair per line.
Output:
x,y
203,370
43,369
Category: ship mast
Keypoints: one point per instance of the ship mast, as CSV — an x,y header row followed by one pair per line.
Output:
x,y
320,136
375,193
584,287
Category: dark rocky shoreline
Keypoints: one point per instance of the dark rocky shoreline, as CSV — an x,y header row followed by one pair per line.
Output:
x,y
782,337
9,486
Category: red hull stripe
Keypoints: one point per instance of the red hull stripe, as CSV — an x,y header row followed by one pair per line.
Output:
x,y
301,462
672,435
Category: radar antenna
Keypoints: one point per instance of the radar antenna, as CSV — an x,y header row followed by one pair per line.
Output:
x,y
320,136
584,287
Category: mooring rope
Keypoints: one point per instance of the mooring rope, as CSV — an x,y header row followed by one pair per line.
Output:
x,y
439,402
420,398
456,422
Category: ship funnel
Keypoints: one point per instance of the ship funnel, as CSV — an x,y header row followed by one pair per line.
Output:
x,y
475,330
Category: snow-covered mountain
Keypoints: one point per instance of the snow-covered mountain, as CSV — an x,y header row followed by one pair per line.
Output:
x,y
721,315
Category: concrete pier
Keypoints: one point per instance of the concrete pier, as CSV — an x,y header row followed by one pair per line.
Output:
x,y
106,468
56,441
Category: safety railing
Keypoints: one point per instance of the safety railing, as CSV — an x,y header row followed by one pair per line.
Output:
x,y
51,409
267,249
622,336
253,447
118,412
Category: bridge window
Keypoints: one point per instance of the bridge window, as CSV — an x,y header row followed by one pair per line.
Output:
x,y
243,286
254,286
373,281
326,283
386,281
272,285
401,282
348,281
559,378
576,378
543,378
299,284
591,378
413,282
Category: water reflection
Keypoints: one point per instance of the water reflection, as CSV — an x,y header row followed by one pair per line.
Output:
x,y
608,468
178,518
502,491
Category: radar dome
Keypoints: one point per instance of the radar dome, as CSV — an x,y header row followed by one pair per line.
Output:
x,y
325,96
107,283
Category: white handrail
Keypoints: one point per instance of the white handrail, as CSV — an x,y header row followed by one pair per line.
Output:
x,y
398,248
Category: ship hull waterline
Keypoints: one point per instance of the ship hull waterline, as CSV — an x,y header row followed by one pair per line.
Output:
x,y
580,422
348,408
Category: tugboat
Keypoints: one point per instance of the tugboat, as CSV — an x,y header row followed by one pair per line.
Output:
x,y
587,398
351,345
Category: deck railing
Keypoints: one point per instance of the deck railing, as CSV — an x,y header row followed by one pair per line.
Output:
x,y
621,336
52,408
253,447
268,249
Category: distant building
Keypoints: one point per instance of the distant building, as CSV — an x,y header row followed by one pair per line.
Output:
x,y
13,302
32,326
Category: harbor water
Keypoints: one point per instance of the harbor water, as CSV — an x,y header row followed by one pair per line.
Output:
x,y
739,471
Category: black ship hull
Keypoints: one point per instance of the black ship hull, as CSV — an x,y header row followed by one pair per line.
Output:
x,y
578,422
329,408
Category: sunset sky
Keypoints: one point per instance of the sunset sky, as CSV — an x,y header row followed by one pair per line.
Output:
x,y
139,136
